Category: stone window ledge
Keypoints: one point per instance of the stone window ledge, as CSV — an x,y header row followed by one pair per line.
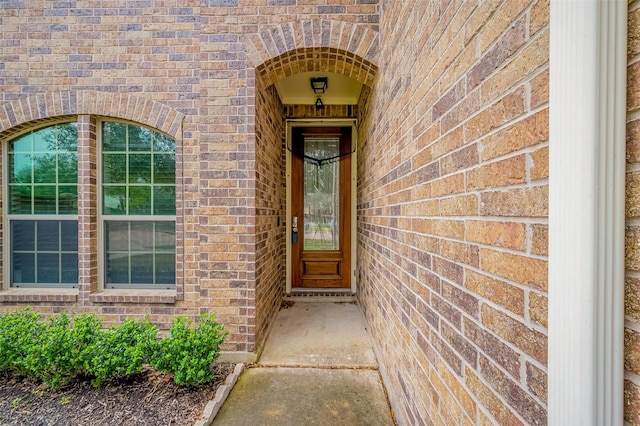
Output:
x,y
39,295
133,296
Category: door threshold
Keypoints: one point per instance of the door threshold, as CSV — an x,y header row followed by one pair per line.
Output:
x,y
320,295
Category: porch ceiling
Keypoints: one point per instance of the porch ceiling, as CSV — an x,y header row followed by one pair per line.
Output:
x,y
296,89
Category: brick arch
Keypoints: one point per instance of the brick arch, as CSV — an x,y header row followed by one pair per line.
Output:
x,y
314,45
14,114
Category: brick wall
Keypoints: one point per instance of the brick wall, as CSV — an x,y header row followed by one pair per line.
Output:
x,y
187,68
632,284
452,210
270,208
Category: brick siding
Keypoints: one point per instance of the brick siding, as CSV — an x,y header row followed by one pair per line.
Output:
x,y
452,210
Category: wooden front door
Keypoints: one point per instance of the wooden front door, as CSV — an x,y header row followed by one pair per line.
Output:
x,y
321,207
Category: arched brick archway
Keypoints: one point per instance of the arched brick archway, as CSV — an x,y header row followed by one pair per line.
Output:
x,y
278,52
17,113
314,45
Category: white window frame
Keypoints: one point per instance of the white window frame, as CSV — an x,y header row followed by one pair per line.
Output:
x,y
101,218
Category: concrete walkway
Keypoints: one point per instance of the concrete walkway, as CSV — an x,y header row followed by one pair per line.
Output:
x,y
317,368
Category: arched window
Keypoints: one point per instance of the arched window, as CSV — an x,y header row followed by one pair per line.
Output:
x,y
136,208
42,207
138,194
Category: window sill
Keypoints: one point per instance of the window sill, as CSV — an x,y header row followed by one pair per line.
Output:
x,y
133,296
39,295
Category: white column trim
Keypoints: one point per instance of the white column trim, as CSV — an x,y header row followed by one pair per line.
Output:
x,y
586,211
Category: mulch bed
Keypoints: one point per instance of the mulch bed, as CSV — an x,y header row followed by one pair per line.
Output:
x,y
145,398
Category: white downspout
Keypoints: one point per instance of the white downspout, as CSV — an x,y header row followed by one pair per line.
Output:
x,y
586,211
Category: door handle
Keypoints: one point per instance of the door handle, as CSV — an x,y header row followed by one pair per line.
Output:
x,y
294,229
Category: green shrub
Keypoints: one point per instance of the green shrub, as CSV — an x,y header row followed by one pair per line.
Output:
x,y
121,350
20,332
64,347
188,353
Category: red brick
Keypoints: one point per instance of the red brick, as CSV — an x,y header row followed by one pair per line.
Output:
x,y
525,405
521,269
529,131
527,339
500,234
631,402
499,292
506,172
521,202
632,351
500,412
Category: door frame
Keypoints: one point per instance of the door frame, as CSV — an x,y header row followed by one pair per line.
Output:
x,y
325,122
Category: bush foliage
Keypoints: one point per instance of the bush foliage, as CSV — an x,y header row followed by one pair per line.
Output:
x,y
65,347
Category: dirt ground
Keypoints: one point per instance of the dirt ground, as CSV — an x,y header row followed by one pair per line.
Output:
x,y
145,398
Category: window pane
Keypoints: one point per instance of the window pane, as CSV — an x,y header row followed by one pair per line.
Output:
x,y
48,235
23,268
48,268
69,265
23,235
140,168
44,200
44,168
114,200
142,268
162,143
321,195
141,236
44,253
165,268
20,199
67,136
114,136
39,162
20,168
139,200
146,257
44,140
67,168
164,200
117,235
67,199
22,144
139,138
117,269
69,235
164,168
114,168
165,236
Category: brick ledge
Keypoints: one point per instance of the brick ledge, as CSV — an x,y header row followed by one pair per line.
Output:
x,y
39,295
134,296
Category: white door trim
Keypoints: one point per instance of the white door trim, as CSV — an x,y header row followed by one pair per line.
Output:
x,y
586,211
324,122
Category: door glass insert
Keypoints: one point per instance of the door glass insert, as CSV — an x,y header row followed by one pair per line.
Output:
x,y
321,194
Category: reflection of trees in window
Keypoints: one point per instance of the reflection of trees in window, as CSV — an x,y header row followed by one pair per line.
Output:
x,y
138,170
43,171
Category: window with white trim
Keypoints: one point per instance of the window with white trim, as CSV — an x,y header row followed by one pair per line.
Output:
x,y
138,193
42,206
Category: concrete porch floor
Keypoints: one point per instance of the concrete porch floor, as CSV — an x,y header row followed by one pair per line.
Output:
x,y
318,368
